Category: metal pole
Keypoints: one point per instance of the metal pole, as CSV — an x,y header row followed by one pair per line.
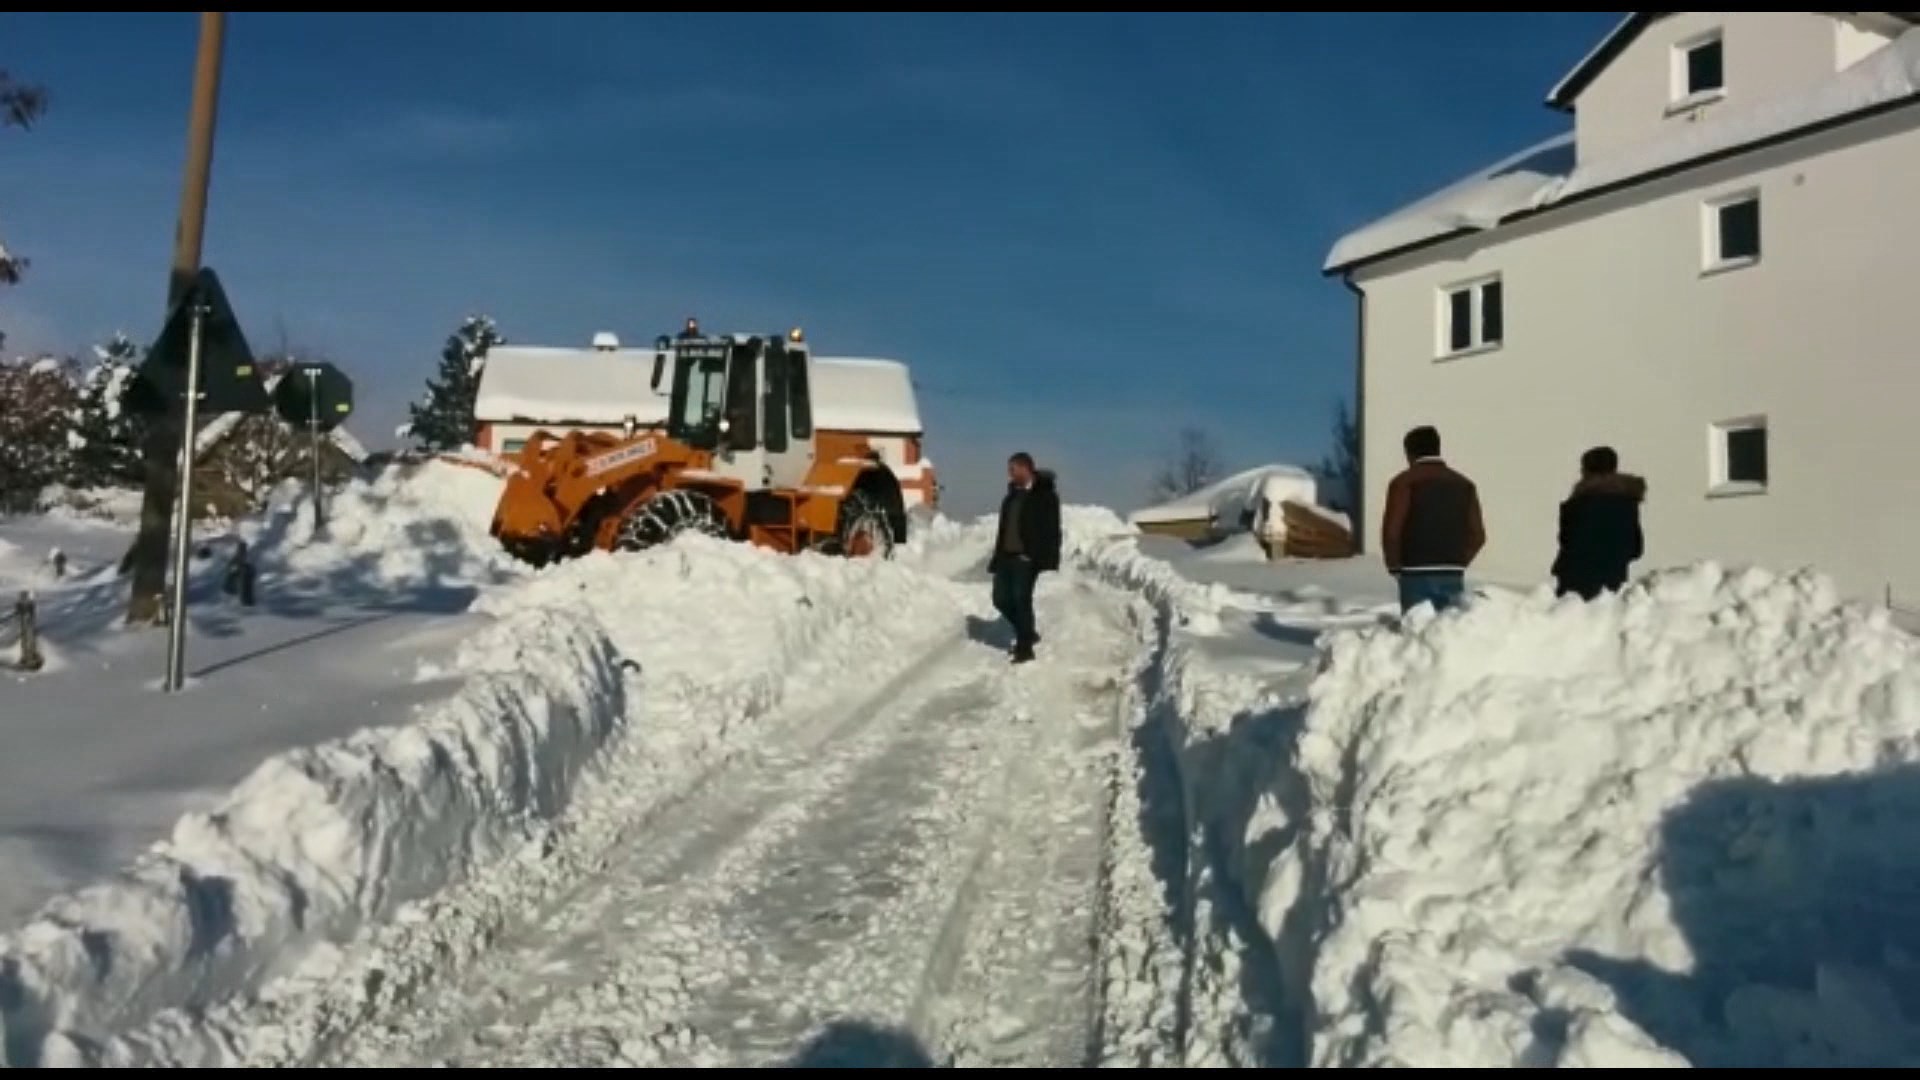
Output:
x,y
183,523
313,449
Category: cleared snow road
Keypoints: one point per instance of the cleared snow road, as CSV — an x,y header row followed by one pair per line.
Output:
x,y
908,875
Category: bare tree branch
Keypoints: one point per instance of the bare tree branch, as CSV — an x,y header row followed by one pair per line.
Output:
x,y
1193,465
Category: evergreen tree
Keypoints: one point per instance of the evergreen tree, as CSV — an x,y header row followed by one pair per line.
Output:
x,y
443,418
106,438
1338,472
36,408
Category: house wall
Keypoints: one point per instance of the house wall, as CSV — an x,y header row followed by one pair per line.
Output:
x,y
1767,54
1615,335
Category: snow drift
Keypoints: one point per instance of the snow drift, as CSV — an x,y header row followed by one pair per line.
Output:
x,y
411,527
692,643
1665,828
317,842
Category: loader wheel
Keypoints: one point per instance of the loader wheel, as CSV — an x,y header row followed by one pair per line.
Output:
x,y
864,530
666,516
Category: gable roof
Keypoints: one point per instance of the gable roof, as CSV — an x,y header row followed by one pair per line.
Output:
x,y
1547,175
1623,34
564,385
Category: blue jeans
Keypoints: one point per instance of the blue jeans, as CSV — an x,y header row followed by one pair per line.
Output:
x,y
1013,584
1441,589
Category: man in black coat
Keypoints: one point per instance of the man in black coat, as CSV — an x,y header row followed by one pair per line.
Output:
x,y
1599,527
1028,546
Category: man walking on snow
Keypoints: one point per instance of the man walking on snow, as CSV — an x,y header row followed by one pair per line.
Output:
x,y
1028,546
1431,529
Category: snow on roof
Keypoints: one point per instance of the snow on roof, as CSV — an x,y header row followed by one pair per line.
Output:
x,y
856,394
1479,201
1285,480
539,385
548,385
1545,174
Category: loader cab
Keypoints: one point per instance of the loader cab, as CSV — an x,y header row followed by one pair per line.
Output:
x,y
745,399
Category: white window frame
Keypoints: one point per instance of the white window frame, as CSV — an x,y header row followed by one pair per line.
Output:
x,y
1719,485
1710,260
1679,97
1443,316
512,446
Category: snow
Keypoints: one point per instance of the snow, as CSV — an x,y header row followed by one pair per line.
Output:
x,y
1226,502
561,386
1545,174
712,806
412,528
1662,828
1478,201
864,395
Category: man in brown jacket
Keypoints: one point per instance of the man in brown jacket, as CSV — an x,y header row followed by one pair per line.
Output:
x,y
1432,529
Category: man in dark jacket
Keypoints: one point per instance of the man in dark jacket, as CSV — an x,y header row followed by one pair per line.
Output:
x,y
1431,529
1028,546
1599,527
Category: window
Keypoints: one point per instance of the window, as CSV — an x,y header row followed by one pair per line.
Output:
x,y
512,446
1472,317
800,398
773,404
1733,231
1699,70
1738,457
743,399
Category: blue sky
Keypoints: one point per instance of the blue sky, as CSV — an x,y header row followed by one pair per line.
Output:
x,y
1083,232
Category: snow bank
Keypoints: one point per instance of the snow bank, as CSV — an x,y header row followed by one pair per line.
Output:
x,y
317,843
1097,541
684,650
413,527
1664,828
115,506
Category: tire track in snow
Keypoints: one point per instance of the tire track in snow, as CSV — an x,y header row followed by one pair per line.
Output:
x,y
925,858
731,818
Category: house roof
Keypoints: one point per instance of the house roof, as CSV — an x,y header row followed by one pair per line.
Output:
x,y
560,386
1623,34
1546,174
857,394
564,385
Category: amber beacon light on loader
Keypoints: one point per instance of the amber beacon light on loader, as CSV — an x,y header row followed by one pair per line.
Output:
x,y
738,459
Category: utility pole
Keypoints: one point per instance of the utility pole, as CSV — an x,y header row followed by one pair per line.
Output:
x,y
148,558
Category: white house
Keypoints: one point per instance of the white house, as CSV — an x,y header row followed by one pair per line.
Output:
x,y
1715,273
859,405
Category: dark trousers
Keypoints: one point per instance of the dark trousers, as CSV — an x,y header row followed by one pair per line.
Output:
x,y
1013,582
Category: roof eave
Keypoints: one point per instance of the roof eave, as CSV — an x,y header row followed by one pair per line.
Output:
x,y
1348,268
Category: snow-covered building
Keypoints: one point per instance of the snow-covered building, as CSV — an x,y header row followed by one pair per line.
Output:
x,y
859,404
1721,250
